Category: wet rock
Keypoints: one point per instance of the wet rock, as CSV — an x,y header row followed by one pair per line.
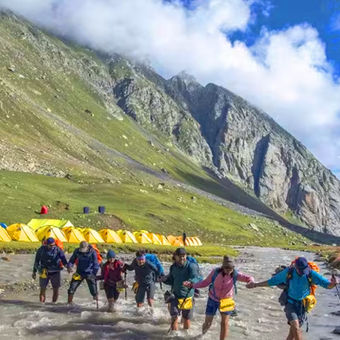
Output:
x,y
11,68
5,258
337,330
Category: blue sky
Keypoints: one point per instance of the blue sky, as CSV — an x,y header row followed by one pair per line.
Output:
x,y
323,15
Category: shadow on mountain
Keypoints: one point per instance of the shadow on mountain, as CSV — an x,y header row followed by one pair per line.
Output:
x,y
227,190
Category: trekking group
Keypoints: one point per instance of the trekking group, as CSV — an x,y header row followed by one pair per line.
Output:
x,y
298,282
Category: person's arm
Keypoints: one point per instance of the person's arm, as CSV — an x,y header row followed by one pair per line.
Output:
x,y
152,267
95,263
244,278
131,266
37,262
201,284
277,279
62,257
71,261
320,280
168,279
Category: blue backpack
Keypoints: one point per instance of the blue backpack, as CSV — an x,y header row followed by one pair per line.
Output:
x,y
155,261
216,272
194,261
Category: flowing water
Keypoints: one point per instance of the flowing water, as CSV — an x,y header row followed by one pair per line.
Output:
x,y
260,315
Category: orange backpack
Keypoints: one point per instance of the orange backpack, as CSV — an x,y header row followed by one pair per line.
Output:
x,y
313,266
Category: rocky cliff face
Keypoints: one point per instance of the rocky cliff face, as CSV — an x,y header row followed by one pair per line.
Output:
x,y
250,148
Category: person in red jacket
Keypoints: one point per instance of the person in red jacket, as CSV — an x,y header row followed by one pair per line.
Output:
x,y
112,275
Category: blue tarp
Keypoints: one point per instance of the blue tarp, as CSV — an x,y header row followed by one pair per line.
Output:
x,y
3,225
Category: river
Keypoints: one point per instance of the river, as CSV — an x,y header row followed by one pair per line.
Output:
x,y
260,315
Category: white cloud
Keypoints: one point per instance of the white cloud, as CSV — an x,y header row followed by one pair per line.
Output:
x,y
285,73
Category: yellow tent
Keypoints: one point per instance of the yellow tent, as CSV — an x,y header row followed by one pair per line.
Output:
x,y
154,238
110,236
126,236
198,241
175,241
22,232
73,235
141,237
92,236
49,231
4,237
163,239
189,241
38,223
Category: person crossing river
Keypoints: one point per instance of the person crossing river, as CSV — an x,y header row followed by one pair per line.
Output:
x,y
87,267
49,261
181,300
298,280
222,284
146,274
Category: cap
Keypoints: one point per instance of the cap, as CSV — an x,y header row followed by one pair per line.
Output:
x,y
50,240
227,262
301,264
83,246
110,254
180,251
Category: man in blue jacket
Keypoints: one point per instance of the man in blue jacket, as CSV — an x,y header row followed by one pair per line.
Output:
x,y
49,261
86,260
182,301
298,278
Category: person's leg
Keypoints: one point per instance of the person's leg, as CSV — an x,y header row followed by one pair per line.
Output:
x,y
92,284
290,334
207,323
296,330
210,312
140,295
55,282
187,315
151,293
224,326
42,295
72,289
43,282
292,314
174,312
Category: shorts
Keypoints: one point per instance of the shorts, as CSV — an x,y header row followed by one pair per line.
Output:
x,y
148,289
186,313
295,311
111,292
54,277
213,306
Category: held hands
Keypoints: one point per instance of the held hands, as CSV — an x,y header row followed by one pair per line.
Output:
x,y
334,280
69,269
34,275
187,284
251,284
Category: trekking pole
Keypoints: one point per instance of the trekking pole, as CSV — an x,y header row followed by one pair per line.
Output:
x,y
181,306
97,302
125,286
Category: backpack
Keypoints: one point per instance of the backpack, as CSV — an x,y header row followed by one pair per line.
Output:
x,y
155,261
284,295
216,272
194,261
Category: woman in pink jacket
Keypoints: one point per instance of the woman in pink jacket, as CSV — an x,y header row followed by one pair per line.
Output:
x,y
221,282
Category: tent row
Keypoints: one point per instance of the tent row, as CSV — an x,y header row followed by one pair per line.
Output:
x,y
69,233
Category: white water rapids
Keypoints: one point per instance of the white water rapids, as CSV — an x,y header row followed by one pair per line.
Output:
x,y
260,315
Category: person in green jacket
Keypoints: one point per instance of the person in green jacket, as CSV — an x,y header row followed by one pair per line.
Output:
x,y
182,299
